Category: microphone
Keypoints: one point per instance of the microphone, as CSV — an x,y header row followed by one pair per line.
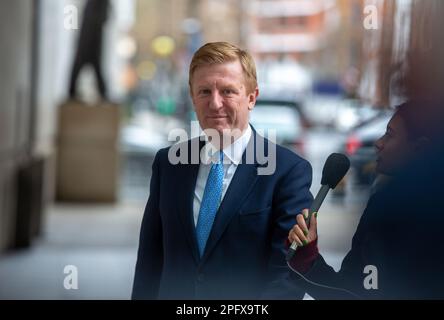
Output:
x,y
334,170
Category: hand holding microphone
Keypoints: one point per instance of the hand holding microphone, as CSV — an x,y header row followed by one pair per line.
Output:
x,y
301,233
334,170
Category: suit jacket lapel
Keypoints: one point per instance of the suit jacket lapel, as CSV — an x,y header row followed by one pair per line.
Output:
x,y
186,178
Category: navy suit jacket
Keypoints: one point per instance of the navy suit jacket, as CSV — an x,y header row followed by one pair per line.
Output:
x,y
245,253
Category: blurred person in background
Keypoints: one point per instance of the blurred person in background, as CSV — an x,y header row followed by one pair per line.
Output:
x,y
216,229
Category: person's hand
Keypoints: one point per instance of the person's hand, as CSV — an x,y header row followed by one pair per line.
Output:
x,y
300,233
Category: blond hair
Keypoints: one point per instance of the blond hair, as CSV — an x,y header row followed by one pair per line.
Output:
x,y
223,52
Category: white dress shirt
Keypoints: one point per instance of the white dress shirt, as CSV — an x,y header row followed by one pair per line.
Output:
x,y
232,157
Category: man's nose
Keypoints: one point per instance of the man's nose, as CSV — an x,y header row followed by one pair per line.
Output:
x,y
216,101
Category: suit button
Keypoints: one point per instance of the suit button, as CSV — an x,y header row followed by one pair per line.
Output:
x,y
201,277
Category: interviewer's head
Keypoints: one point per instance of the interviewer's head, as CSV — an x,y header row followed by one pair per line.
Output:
x,y
409,132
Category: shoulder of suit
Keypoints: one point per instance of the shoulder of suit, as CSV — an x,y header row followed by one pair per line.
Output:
x,y
284,154
162,154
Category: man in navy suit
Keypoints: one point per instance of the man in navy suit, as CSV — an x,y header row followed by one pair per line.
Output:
x,y
215,228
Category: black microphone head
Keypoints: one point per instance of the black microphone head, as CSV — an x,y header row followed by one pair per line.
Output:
x,y
334,170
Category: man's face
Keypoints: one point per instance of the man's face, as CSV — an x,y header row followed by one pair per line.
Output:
x,y
220,96
394,148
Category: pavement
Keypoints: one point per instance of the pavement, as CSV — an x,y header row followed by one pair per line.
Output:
x,y
99,240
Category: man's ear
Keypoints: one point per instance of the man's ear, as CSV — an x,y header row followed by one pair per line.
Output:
x,y
252,98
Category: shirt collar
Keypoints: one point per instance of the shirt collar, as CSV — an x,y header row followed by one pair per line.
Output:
x,y
232,153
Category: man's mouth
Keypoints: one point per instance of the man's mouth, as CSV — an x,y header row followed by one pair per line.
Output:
x,y
217,117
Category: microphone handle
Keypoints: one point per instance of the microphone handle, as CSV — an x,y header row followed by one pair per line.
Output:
x,y
317,202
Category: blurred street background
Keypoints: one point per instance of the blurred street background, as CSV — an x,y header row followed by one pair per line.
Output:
x,y
75,173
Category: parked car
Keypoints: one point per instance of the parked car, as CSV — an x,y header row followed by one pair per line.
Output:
x,y
284,118
359,146
285,100
352,113
147,132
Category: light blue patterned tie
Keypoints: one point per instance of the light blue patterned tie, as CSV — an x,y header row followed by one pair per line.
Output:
x,y
210,203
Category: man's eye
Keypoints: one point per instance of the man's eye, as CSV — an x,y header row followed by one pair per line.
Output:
x,y
228,91
204,91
